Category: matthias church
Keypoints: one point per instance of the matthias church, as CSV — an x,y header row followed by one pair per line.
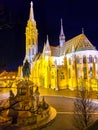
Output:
x,y
70,65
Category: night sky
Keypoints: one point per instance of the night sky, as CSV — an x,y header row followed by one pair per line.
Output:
x,y
14,14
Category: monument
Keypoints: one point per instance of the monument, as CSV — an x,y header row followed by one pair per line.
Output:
x,y
27,108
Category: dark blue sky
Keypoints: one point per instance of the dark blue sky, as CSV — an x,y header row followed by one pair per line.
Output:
x,y
14,15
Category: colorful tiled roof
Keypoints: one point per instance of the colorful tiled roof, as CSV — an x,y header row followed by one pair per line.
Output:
x,y
79,42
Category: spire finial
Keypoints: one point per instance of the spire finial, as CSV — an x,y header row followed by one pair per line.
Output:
x,y
82,30
31,17
47,42
31,4
47,37
61,36
61,22
62,32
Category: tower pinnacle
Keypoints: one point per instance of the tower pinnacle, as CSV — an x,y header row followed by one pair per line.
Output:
x,y
47,42
62,36
31,17
62,32
82,30
47,49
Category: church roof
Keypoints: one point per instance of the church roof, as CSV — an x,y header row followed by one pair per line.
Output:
x,y
79,42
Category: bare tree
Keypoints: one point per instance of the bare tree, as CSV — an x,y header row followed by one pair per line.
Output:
x,y
83,110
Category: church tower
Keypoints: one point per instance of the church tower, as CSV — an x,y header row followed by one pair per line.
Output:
x,y
47,50
62,36
31,36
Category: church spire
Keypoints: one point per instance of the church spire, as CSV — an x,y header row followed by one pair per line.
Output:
x,y
62,36
47,44
47,49
31,17
47,41
31,40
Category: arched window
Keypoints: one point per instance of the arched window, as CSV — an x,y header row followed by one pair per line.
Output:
x,y
95,59
90,59
84,59
77,59
91,69
91,72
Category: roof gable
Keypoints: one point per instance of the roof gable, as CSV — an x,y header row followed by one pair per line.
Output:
x,y
79,42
